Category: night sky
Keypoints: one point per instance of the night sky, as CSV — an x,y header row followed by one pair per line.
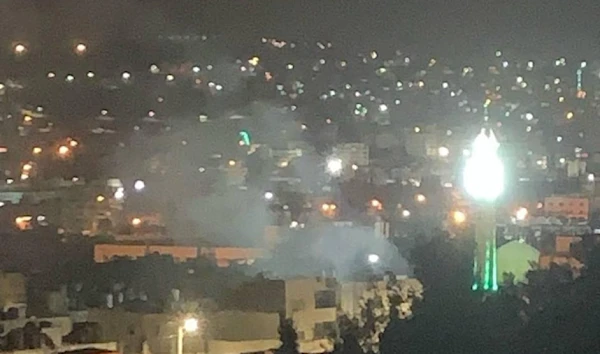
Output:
x,y
450,28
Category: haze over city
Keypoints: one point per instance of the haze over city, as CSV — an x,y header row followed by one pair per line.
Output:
x,y
347,177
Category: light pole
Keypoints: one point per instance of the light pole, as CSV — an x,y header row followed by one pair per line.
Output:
x,y
484,182
189,325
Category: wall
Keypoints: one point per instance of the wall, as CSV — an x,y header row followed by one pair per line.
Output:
x,y
224,256
106,252
260,295
563,243
229,347
12,289
302,308
244,326
567,206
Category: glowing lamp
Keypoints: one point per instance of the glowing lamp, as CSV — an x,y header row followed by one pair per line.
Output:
x,y
20,49
190,325
521,214
80,48
484,171
334,166
373,258
459,217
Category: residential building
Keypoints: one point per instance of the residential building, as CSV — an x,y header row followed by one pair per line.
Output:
x,y
567,206
106,252
310,302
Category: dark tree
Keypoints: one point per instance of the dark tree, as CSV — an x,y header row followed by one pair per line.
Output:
x,y
349,333
288,337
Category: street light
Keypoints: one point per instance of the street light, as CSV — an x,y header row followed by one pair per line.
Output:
x,y
63,150
80,49
521,214
459,217
20,49
373,258
189,325
334,166
139,185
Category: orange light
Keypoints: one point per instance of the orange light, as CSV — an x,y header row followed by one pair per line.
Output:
x,y
376,204
37,150
73,143
325,207
23,222
63,150
136,221
459,217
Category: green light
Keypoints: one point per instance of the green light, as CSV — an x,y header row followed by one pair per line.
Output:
x,y
245,136
494,261
486,276
475,285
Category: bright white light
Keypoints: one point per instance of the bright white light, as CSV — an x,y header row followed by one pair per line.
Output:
x,y
196,69
591,177
120,193
90,74
190,325
139,185
383,108
484,172
373,258
443,151
126,76
528,116
20,49
269,195
80,48
334,166
521,214
405,213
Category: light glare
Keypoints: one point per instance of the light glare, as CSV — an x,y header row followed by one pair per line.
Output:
x,y
484,172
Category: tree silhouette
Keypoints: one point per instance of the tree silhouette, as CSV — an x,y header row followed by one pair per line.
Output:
x,y
288,337
349,333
